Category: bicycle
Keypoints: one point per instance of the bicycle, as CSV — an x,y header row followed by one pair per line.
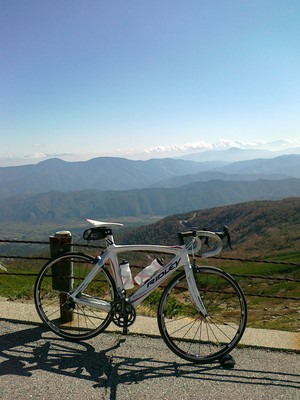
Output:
x,y
201,314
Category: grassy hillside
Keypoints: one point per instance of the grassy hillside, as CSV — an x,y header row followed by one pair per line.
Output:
x,y
258,228
266,230
269,230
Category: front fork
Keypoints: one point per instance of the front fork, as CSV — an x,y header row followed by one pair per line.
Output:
x,y
193,289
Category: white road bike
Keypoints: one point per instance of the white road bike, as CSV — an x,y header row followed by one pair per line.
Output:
x,y
201,313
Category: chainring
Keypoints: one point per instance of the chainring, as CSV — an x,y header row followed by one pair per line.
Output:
x,y
122,313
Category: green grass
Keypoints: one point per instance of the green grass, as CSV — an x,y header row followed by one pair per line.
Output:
x,y
19,287
263,312
16,287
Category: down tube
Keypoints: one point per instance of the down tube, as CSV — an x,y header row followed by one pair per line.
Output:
x,y
89,277
158,278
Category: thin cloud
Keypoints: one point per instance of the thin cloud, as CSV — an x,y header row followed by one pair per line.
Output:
x,y
223,144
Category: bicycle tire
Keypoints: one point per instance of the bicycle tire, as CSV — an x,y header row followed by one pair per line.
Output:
x,y
190,335
51,291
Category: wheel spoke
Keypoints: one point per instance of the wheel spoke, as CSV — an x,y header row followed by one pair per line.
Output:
x,y
189,334
68,319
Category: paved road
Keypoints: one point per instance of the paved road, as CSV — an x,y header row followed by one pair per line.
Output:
x,y
36,364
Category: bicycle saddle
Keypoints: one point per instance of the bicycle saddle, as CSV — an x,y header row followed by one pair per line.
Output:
x,y
102,223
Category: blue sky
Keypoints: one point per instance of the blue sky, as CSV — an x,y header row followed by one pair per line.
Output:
x,y
143,79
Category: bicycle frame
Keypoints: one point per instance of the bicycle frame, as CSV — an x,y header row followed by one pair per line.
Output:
x,y
180,259
194,332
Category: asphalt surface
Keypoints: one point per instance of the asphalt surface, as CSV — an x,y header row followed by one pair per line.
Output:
x,y
270,339
34,363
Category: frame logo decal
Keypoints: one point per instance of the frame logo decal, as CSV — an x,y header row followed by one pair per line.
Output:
x,y
163,273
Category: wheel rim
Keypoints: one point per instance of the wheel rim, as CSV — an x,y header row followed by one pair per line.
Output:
x,y
187,332
66,318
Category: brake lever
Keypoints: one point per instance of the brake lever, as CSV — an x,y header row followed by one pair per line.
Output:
x,y
206,238
225,234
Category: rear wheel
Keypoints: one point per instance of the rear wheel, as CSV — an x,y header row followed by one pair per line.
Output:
x,y
194,337
70,320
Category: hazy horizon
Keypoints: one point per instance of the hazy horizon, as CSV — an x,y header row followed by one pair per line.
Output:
x,y
271,149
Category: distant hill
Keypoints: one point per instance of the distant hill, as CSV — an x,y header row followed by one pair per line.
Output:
x,y
113,173
54,191
206,176
258,228
281,167
288,165
103,173
60,206
234,154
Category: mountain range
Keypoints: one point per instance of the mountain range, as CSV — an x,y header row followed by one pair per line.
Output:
x,y
113,173
108,187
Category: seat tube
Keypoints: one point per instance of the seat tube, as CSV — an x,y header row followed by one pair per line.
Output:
x,y
109,240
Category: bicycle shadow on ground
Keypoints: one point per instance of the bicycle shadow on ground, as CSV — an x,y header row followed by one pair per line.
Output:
x,y
31,349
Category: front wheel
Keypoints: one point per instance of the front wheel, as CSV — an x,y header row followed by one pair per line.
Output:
x,y
189,334
67,319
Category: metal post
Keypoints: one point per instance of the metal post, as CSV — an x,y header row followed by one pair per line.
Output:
x,y
62,272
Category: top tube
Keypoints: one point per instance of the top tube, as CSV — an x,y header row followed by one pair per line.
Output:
x,y
198,237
